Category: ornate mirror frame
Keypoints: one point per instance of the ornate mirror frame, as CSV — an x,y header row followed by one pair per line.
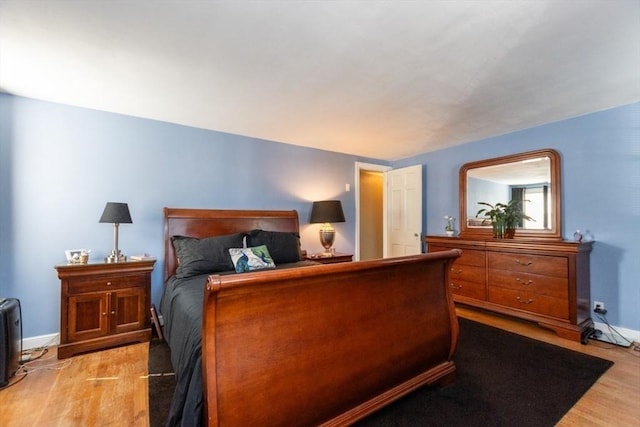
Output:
x,y
554,232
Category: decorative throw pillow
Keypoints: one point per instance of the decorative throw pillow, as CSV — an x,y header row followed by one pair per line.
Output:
x,y
207,255
250,259
284,246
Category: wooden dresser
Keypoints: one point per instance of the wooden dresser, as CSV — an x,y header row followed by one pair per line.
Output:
x,y
103,305
542,281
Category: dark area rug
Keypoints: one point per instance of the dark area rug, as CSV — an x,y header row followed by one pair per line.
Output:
x,y
161,382
503,379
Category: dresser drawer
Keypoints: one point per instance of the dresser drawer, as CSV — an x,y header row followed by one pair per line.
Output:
x,y
530,302
468,256
468,289
105,283
538,264
557,287
468,273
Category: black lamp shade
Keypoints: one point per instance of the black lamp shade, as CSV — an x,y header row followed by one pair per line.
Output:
x,y
116,213
326,211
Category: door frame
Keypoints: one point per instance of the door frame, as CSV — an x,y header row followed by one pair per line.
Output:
x,y
361,166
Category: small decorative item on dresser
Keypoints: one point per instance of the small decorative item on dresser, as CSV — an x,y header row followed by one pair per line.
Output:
x,y
450,227
77,256
144,257
577,236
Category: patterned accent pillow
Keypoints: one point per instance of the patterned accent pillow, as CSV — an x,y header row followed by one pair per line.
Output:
x,y
250,259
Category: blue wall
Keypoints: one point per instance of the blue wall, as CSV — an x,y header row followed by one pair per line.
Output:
x,y
600,155
61,164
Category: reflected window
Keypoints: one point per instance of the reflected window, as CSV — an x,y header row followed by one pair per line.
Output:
x,y
535,201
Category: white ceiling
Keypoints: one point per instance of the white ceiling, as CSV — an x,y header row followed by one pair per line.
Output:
x,y
383,79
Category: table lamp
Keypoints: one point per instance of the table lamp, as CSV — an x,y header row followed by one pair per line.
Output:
x,y
116,214
326,212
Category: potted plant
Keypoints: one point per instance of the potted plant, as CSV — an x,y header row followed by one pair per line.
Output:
x,y
505,218
450,227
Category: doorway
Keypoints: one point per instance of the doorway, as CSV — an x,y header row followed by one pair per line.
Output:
x,y
370,211
388,220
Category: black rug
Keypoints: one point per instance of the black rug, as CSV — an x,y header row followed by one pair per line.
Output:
x,y
503,379
161,382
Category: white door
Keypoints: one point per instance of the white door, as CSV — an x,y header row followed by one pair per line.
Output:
x,y
404,211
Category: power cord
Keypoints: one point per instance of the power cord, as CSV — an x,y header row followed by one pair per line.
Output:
x,y
602,315
26,362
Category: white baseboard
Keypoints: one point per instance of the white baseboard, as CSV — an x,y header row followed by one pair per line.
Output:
x,y
612,337
40,341
630,334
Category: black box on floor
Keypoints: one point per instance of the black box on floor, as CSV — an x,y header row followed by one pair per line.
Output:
x,y
10,338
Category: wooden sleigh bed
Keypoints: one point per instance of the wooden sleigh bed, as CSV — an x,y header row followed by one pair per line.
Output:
x,y
315,345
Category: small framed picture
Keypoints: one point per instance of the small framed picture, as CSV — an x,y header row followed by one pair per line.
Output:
x,y
73,255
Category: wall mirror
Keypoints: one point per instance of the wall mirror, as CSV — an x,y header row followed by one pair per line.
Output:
x,y
532,177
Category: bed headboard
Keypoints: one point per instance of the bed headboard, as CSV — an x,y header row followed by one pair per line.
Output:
x,y
215,222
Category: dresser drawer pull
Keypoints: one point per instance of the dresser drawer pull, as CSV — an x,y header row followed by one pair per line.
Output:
x,y
527,263
113,312
456,271
528,282
108,283
520,300
454,286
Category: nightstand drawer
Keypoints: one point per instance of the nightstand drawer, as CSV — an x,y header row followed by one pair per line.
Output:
x,y
105,283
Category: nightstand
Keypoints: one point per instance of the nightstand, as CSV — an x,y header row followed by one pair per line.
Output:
x,y
337,257
103,305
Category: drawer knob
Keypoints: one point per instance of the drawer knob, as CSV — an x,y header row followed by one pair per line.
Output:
x,y
525,263
108,283
528,282
520,300
113,312
454,286
454,271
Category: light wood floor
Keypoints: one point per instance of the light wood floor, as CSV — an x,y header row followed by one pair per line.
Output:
x,y
109,388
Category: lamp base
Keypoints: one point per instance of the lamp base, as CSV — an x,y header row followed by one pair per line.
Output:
x,y
327,236
114,258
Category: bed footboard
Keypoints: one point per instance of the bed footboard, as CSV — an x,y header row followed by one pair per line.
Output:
x,y
328,344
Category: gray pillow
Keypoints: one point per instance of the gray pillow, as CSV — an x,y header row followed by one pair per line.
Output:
x,y
207,255
284,246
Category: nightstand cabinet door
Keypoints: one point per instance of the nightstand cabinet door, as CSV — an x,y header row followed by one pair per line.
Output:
x,y
104,305
129,311
88,316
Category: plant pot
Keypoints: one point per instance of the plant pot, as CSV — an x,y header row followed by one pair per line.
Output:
x,y
503,231
449,233
509,233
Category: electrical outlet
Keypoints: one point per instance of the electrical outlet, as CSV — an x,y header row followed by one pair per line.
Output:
x,y
598,305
